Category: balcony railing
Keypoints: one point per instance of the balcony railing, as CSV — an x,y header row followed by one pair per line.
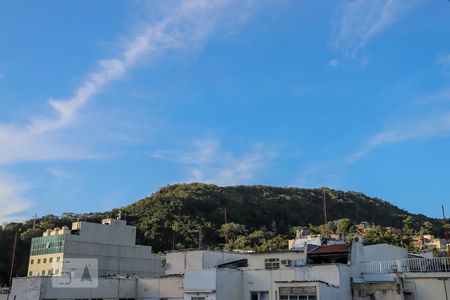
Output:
x,y
439,264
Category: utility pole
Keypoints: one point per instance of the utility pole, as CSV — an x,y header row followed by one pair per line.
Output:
x,y
325,218
12,261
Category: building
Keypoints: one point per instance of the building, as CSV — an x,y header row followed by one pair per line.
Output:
x,y
329,272
304,237
112,244
364,226
428,242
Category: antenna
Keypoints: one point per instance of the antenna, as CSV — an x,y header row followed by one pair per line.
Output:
x,y
34,220
225,232
325,219
444,221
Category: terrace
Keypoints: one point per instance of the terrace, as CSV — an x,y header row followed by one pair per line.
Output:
x,y
411,265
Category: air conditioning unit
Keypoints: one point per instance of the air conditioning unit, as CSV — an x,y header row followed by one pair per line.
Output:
x,y
286,262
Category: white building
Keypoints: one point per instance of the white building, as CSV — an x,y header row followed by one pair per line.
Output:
x,y
332,272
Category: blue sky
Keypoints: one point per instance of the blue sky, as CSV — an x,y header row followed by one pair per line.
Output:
x,y
103,102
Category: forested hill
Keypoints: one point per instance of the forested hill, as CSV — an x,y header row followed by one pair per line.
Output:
x,y
258,217
178,210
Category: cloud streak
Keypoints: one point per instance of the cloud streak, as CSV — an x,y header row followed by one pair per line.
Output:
x,y
429,127
363,20
187,25
44,138
12,199
206,162
444,61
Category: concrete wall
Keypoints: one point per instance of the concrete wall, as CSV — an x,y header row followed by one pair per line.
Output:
x,y
157,288
376,291
383,252
379,252
214,284
26,288
256,261
424,286
326,273
211,259
116,233
178,262
200,280
229,285
117,259
264,281
36,288
326,292
107,289
336,278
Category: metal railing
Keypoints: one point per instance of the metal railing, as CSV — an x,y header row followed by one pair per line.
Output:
x,y
387,266
438,264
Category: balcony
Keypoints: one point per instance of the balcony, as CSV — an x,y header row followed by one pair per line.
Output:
x,y
411,265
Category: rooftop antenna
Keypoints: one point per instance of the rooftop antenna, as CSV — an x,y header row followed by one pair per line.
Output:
x,y
444,221
325,218
34,220
225,227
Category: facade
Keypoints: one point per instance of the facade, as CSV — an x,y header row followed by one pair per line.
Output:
x,y
327,272
428,242
111,243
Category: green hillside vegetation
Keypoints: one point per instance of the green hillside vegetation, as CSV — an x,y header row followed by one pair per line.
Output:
x,y
259,218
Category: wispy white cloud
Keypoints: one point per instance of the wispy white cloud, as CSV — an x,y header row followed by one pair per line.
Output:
x,y
205,161
444,61
333,62
13,201
186,25
420,129
362,20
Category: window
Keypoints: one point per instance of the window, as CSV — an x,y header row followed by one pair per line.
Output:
x,y
259,296
58,259
50,259
272,263
43,272
30,274
298,293
45,261
39,261
32,262
47,245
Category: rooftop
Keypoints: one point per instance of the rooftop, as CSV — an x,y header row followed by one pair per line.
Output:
x,y
331,249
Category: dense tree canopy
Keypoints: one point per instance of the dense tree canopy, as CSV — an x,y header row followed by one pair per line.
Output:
x,y
259,218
